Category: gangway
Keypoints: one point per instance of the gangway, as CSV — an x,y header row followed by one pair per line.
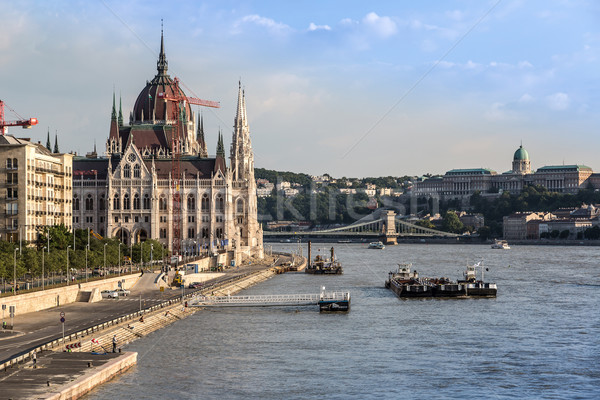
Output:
x,y
327,301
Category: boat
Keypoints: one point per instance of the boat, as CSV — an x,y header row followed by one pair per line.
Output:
x,y
407,284
324,266
500,244
376,245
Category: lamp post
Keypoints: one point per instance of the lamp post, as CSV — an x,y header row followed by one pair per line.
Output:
x,y
141,254
15,272
68,247
87,248
120,258
151,248
43,268
105,260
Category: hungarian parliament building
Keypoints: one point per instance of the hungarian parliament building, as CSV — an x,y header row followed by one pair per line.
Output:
x,y
129,193
464,182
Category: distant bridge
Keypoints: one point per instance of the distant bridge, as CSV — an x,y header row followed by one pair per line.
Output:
x,y
388,226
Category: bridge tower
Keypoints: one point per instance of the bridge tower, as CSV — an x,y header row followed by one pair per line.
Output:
x,y
389,230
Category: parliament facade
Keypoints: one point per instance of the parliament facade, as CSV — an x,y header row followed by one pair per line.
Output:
x,y
129,193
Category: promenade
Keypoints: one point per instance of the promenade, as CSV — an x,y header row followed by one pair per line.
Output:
x,y
32,330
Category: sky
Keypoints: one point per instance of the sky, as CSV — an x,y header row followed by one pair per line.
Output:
x,y
348,88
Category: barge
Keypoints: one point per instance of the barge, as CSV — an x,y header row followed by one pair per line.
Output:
x,y
323,266
407,284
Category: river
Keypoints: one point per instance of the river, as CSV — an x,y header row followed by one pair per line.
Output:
x,y
540,338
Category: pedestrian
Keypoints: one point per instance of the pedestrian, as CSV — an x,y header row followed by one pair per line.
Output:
x,y
34,358
114,343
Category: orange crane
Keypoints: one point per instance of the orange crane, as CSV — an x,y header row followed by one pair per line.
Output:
x,y
180,100
25,123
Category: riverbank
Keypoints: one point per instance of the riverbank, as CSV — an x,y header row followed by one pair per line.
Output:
x,y
124,329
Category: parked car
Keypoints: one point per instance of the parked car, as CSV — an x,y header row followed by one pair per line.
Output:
x,y
123,292
109,294
195,285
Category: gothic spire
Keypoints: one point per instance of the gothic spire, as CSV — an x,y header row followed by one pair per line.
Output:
x,y
56,143
200,137
113,115
241,113
162,64
220,147
120,112
48,145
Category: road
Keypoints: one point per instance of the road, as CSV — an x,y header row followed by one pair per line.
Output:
x,y
34,329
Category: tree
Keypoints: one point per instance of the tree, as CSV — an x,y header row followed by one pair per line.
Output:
x,y
554,234
451,223
425,223
484,233
564,234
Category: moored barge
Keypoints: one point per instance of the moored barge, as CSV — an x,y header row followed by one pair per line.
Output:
x,y
323,266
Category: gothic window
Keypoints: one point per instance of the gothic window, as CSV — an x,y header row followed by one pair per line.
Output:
x,y
136,171
89,203
9,163
191,203
219,233
191,233
126,171
146,202
240,206
136,202
75,203
126,204
162,203
101,204
15,163
163,233
205,233
219,203
116,202
205,203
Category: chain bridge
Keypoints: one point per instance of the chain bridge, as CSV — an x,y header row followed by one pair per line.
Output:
x,y
389,226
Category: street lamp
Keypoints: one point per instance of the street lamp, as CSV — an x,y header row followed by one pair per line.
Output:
x,y
141,254
68,247
43,268
105,260
15,272
87,248
151,248
120,258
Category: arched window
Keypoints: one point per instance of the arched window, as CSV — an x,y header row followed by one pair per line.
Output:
x,y
205,203
101,204
136,202
15,163
240,206
219,233
205,233
136,171
126,204
146,202
75,203
219,203
9,163
89,203
191,203
126,171
162,203
116,202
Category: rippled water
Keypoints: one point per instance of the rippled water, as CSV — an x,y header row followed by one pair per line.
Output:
x,y
540,338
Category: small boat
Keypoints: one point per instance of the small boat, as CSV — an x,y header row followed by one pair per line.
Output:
x,y
376,245
500,244
407,284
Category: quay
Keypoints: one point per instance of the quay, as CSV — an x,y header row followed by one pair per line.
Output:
x,y
69,375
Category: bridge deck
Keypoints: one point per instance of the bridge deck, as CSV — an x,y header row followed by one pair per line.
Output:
x,y
270,300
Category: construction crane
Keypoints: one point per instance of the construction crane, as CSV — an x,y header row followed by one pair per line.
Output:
x,y
25,123
180,100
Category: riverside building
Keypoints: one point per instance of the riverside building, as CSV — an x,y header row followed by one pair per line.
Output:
x,y
129,192
36,189
458,183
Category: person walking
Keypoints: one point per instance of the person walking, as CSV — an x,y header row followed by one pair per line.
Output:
x,y
114,343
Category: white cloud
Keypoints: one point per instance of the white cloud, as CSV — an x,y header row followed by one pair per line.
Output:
x,y
382,26
499,112
313,27
526,98
456,15
268,23
558,101
525,64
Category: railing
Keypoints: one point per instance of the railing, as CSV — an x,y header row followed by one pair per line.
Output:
x,y
271,300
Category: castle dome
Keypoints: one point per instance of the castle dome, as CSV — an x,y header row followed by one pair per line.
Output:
x,y
151,104
521,154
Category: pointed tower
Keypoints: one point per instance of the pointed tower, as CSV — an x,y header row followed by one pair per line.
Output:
x,y
48,145
220,159
56,143
242,157
120,120
203,151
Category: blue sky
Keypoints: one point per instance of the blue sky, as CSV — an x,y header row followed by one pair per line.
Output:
x,y
349,88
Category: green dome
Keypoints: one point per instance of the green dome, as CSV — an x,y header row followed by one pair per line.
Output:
x,y
521,154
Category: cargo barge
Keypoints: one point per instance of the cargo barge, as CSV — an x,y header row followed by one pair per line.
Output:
x,y
407,284
323,266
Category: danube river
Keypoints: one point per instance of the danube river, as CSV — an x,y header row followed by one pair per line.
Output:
x,y
540,338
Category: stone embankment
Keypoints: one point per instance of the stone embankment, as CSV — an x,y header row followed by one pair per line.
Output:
x,y
125,329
